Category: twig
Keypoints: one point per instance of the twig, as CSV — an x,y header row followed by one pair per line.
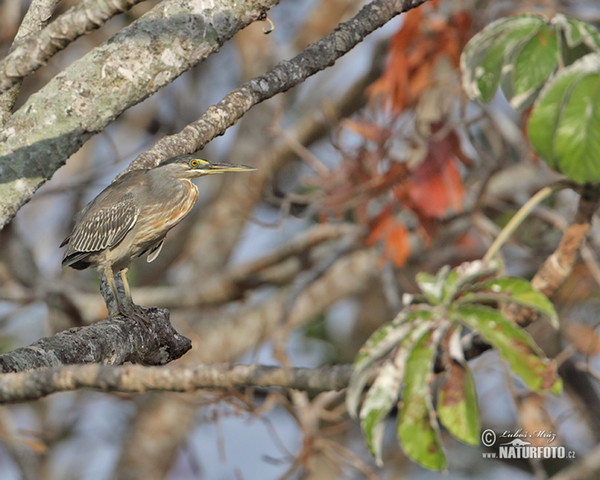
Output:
x,y
521,215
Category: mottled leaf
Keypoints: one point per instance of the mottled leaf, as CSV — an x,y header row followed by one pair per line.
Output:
x,y
383,394
520,291
486,54
457,404
469,272
384,339
513,344
531,66
565,123
457,399
416,428
433,286
577,33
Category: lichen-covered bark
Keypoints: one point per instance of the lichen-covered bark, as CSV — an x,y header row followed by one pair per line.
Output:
x,y
35,19
33,52
111,342
93,91
175,378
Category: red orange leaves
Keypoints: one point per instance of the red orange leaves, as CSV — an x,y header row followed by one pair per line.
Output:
x,y
435,186
414,50
393,234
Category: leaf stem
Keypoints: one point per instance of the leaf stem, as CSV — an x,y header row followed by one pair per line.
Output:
x,y
521,215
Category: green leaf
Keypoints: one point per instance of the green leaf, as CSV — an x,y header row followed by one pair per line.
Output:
x,y
384,339
545,116
380,399
532,65
416,428
565,122
383,394
486,54
521,292
513,344
433,286
457,404
577,141
469,272
577,33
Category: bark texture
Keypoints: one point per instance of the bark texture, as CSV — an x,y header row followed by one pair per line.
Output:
x,y
85,97
176,378
110,342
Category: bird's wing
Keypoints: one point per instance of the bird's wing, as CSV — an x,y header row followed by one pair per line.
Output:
x,y
104,227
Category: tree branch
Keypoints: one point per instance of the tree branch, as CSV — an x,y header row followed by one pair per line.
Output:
x,y
111,341
132,65
33,52
35,19
285,75
35,384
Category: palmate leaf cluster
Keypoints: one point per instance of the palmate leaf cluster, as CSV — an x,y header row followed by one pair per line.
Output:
x,y
555,64
429,334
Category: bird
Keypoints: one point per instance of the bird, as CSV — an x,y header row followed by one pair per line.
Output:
x,y
132,216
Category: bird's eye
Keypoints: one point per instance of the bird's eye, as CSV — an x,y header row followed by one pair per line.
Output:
x,y
194,163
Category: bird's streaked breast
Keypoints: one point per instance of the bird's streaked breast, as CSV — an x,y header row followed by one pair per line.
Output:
x,y
160,217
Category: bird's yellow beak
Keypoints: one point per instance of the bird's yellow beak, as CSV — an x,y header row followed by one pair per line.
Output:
x,y
225,167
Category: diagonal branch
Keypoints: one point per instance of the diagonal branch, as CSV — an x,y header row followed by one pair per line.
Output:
x,y
35,19
35,384
34,51
94,90
113,341
285,75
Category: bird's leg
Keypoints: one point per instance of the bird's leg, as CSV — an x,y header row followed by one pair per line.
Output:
x,y
108,289
126,288
120,301
133,310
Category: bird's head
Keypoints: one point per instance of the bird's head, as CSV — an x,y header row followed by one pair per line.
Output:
x,y
191,166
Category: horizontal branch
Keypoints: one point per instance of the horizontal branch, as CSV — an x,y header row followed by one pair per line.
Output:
x,y
111,341
35,384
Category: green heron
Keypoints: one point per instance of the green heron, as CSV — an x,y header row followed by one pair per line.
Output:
x,y
132,216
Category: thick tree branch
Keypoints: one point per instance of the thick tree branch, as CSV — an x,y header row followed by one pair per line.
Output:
x,y
35,19
35,384
111,341
90,93
33,52
285,75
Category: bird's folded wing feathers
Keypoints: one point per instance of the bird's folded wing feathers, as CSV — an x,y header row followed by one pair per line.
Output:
x,y
105,228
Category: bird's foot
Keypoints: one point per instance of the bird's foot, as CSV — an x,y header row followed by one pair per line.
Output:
x,y
134,311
